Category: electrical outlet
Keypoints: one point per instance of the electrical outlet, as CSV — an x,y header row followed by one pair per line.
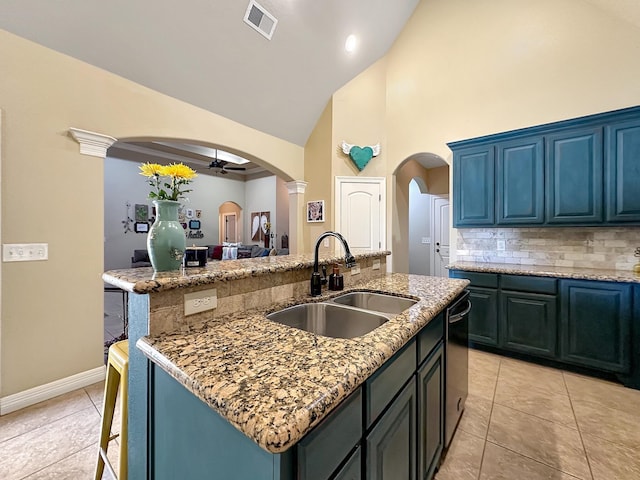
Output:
x,y
376,265
500,245
355,270
326,242
25,252
201,301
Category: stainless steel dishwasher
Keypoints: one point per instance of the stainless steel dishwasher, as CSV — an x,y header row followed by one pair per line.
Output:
x,y
457,363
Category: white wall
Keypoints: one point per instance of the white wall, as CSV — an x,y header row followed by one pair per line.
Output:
x,y
123,183
260,196
419,227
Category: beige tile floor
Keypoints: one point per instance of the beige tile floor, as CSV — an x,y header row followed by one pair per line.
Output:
x,y
522,422
527,422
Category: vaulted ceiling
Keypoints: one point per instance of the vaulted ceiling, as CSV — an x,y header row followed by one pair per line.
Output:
x,y
202,52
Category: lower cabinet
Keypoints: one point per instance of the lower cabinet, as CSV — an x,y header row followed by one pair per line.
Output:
x,y
431,413
528,323
596,321
391,444
483,318
352,470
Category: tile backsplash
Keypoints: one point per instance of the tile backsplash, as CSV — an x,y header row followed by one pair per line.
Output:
x,y
591,247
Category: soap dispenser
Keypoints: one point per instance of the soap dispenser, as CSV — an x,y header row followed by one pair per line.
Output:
x,y
336,281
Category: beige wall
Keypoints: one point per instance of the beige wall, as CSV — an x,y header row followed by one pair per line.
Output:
x,y
52,312
461,69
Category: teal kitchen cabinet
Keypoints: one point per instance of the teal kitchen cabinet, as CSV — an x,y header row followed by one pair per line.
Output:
x,y
595,324
528,314
622,171
574,176
352,470
391,444
474,185
483,318
529,322
520,181
431,413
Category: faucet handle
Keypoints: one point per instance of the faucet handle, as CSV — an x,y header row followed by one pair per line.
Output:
x,y
349,261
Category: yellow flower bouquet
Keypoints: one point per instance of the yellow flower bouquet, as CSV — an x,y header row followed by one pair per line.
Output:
x,y
167,181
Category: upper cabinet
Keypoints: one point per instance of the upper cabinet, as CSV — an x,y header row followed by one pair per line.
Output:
x,y
623,171
583,171
574,176
473,172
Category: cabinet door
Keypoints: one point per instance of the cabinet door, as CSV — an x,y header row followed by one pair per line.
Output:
x,y
391,445
473,187
574,186
529,323
622,160
520,178
596,319
483,318
430,414
352,470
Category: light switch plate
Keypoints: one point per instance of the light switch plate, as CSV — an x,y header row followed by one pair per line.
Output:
x,y
25,252
201,301
355,270
500,245
426,240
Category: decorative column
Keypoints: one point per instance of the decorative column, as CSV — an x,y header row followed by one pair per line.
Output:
x,y
92,143
297,214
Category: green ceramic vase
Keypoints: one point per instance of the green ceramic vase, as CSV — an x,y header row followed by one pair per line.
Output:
x,y
166,241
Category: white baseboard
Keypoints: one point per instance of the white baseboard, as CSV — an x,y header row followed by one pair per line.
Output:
x,y
19,400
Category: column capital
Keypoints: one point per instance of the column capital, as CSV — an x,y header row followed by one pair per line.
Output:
x,y
92,143
296,187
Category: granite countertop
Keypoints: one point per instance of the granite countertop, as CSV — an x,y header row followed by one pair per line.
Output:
x,y
144,280
606,275
275,383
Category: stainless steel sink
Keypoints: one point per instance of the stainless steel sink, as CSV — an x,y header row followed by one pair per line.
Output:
x,y
329,319
377,302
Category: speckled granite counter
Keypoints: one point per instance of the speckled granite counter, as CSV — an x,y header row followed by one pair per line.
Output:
x,y
275,383
143,280
549,271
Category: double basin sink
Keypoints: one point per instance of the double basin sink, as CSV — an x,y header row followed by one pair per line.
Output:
x,y
346,316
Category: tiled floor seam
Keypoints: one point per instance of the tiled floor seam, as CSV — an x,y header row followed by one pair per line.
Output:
x,y
486,435
53,463
584,448
541,418
536,460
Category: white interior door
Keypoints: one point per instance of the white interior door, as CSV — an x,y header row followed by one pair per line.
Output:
x,y
440,231
360,215
230,227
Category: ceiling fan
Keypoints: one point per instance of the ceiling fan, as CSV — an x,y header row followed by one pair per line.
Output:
x,y
221,165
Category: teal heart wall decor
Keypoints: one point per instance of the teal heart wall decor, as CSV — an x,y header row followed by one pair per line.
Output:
x,y
360,156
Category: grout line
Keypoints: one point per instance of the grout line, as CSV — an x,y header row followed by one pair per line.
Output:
x,y
534,459
584,448
486,435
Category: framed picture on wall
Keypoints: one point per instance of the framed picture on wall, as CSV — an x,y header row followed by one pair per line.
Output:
x,y
142,212
315,211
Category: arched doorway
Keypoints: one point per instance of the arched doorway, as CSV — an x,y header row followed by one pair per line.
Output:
x,y
420,180
230,222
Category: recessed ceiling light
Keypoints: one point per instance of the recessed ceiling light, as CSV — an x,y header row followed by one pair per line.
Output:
x,y
351,43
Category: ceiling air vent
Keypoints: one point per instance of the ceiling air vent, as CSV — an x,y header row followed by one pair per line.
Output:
x,y
260,20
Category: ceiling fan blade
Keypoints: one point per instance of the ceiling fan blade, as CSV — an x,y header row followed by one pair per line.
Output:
x,y
234,168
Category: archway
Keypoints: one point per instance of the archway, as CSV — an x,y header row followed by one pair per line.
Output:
x,y
230,222
430,174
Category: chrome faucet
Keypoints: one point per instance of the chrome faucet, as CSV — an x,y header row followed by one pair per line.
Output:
x,y
316,279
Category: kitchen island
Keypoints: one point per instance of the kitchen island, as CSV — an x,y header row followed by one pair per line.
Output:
x,y
263,388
